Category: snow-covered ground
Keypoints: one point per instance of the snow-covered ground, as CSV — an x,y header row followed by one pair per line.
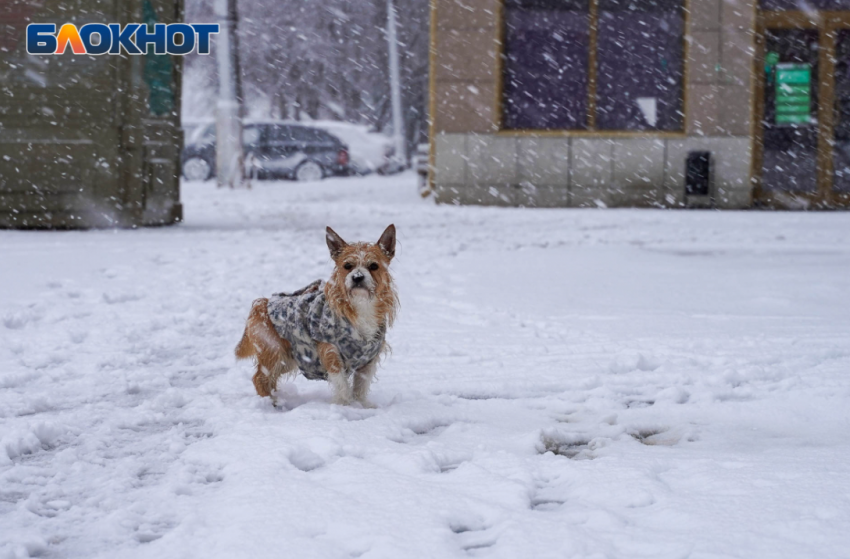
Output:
x,y
690,371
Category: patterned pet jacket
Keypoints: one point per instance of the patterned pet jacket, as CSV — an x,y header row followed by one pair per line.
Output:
x,y
304,318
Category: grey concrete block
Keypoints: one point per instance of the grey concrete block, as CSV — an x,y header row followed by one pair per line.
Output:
x,y
492,160
591,171
544,161
542,195
638,172
480,195
450,160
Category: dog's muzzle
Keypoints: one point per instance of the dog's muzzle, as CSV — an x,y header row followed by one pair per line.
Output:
x,y
358,279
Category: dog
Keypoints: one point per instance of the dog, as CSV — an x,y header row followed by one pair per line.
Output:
x,y
332,330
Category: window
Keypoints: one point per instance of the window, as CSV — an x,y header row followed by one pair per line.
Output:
x,y
250,135
280,134
310,135
601,65
797,5
546,61
202,135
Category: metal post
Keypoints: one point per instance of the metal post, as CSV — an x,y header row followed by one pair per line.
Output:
x,y
229,157
395,89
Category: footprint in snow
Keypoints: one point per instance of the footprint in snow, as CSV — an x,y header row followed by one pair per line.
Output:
x,y
419,431
151,531
655,436
118,298
472,536
569,445
542,499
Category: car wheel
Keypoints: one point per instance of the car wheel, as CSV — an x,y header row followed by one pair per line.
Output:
x,y
197,169
309,171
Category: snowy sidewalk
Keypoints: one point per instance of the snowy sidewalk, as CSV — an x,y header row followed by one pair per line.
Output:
x,y
563,383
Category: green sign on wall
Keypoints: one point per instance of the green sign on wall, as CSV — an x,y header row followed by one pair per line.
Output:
x,y
793,94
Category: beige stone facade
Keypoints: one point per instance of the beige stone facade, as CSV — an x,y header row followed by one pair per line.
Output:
x,y
477,163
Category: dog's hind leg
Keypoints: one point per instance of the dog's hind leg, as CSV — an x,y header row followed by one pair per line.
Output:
x,y
270,367
272,354
262,383
363,378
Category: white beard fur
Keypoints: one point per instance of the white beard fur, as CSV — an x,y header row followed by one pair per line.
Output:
x,y
367,320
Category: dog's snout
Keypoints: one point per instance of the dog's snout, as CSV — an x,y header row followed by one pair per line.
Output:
x,y
358,278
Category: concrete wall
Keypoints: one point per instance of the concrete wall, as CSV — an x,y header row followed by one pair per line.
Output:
x,y
476,163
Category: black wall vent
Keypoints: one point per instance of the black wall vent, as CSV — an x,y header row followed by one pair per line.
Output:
x,y
698,173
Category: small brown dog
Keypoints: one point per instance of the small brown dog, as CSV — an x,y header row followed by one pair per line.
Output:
x,y
333,331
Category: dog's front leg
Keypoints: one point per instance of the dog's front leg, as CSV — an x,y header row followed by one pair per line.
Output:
x,y
331,361
363,380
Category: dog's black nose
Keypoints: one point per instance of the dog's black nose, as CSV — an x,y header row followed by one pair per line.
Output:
x,y
358,278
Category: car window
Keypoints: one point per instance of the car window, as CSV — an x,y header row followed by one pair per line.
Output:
x,y
280,133
311,135
251,135
203,134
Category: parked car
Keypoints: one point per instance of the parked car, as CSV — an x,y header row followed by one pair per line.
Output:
x,y
272,150
370,150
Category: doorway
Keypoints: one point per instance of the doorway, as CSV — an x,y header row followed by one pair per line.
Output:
x,y
802,143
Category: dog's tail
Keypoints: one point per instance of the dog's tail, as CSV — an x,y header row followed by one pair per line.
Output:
x,y
259,315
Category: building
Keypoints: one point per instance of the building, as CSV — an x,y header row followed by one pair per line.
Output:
x,y
87,141
667,103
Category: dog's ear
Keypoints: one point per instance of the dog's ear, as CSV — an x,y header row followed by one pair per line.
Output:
x,y
387,241
335,242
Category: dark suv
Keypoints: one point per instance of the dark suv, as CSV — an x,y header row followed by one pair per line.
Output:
x,y
272,150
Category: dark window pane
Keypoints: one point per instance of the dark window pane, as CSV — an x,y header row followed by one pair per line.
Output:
x,y
639,61
546,54
790,130
250,135
281,134
804,5
311,135
841,147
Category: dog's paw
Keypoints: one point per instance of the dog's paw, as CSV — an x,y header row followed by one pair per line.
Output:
x,y
366,403
341,400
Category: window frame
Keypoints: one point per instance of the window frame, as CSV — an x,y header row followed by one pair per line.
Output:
x,y
501,36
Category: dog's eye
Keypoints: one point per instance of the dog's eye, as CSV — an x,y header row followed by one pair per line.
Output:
x,y
348,265
373,266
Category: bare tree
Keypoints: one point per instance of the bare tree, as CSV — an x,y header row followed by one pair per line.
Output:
x,y
302,58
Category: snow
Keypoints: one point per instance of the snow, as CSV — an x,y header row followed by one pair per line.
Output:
x,y
563,383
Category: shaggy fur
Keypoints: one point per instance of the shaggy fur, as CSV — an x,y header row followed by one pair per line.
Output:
x,y
368,303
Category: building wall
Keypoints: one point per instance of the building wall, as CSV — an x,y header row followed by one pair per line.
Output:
x,y
92,141
476,163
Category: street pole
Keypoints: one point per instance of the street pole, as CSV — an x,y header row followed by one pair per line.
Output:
x,y
395,88
229,156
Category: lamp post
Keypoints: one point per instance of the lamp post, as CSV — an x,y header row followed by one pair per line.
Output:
x,y
229,155
395,89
